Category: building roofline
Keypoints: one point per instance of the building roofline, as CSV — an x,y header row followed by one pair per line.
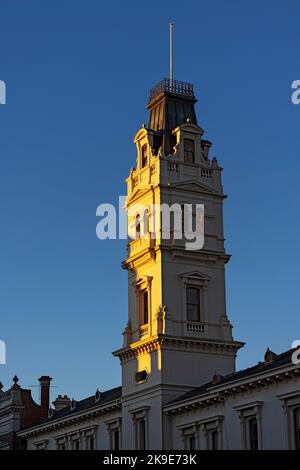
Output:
x,y
209,391
73,415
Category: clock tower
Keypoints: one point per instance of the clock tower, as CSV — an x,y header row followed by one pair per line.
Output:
x,y
178,334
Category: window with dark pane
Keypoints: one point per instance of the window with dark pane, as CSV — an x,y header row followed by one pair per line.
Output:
x,y
297,428
141,376
92,443
214,439
138,226
145,312
142,434
116,439
144,155
191,442
193,304
182,219
189,151
253,433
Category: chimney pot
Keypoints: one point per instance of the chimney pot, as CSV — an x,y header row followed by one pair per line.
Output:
x,y
45,381
61,402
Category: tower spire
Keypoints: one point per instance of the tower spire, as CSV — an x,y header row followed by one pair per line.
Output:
x,y
171,50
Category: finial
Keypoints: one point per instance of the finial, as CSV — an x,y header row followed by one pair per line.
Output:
x,y
16,379
216,378
73,404
97,395
1,386
269,356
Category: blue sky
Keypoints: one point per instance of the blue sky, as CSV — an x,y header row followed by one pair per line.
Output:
x,y
78,75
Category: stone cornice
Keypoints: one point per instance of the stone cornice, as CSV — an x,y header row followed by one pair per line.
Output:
x,y
206,255
172,342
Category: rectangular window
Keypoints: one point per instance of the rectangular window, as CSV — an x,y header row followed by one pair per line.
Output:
x,y
115,439
253,433
141,434
141,428
92,443
297,428
193,304
76,445
145,311
191,442
214,439
189,151
250,421
189,437
144,155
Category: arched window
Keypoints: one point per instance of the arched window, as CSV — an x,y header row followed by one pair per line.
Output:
x,y
137,226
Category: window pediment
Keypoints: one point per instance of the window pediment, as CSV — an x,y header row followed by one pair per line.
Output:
x,y
197,276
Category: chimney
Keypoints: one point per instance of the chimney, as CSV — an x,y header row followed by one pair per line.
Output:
x,y
45,391
61,402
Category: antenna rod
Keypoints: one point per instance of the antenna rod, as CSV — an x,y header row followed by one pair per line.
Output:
x,y
171,52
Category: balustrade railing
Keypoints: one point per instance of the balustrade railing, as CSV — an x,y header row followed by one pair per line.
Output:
x,y
172,86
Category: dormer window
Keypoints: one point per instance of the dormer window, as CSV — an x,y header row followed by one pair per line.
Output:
x,y
144,155
189,150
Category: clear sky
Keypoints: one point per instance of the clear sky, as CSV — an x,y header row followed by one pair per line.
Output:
x,y
78,75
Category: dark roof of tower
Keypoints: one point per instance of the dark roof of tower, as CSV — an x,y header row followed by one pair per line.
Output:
x,y
171,103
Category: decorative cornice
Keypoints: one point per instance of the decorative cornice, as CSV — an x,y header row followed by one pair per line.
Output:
x,y
164,341
205,255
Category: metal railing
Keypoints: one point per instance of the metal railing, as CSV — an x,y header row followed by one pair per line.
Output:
x,y
171,86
